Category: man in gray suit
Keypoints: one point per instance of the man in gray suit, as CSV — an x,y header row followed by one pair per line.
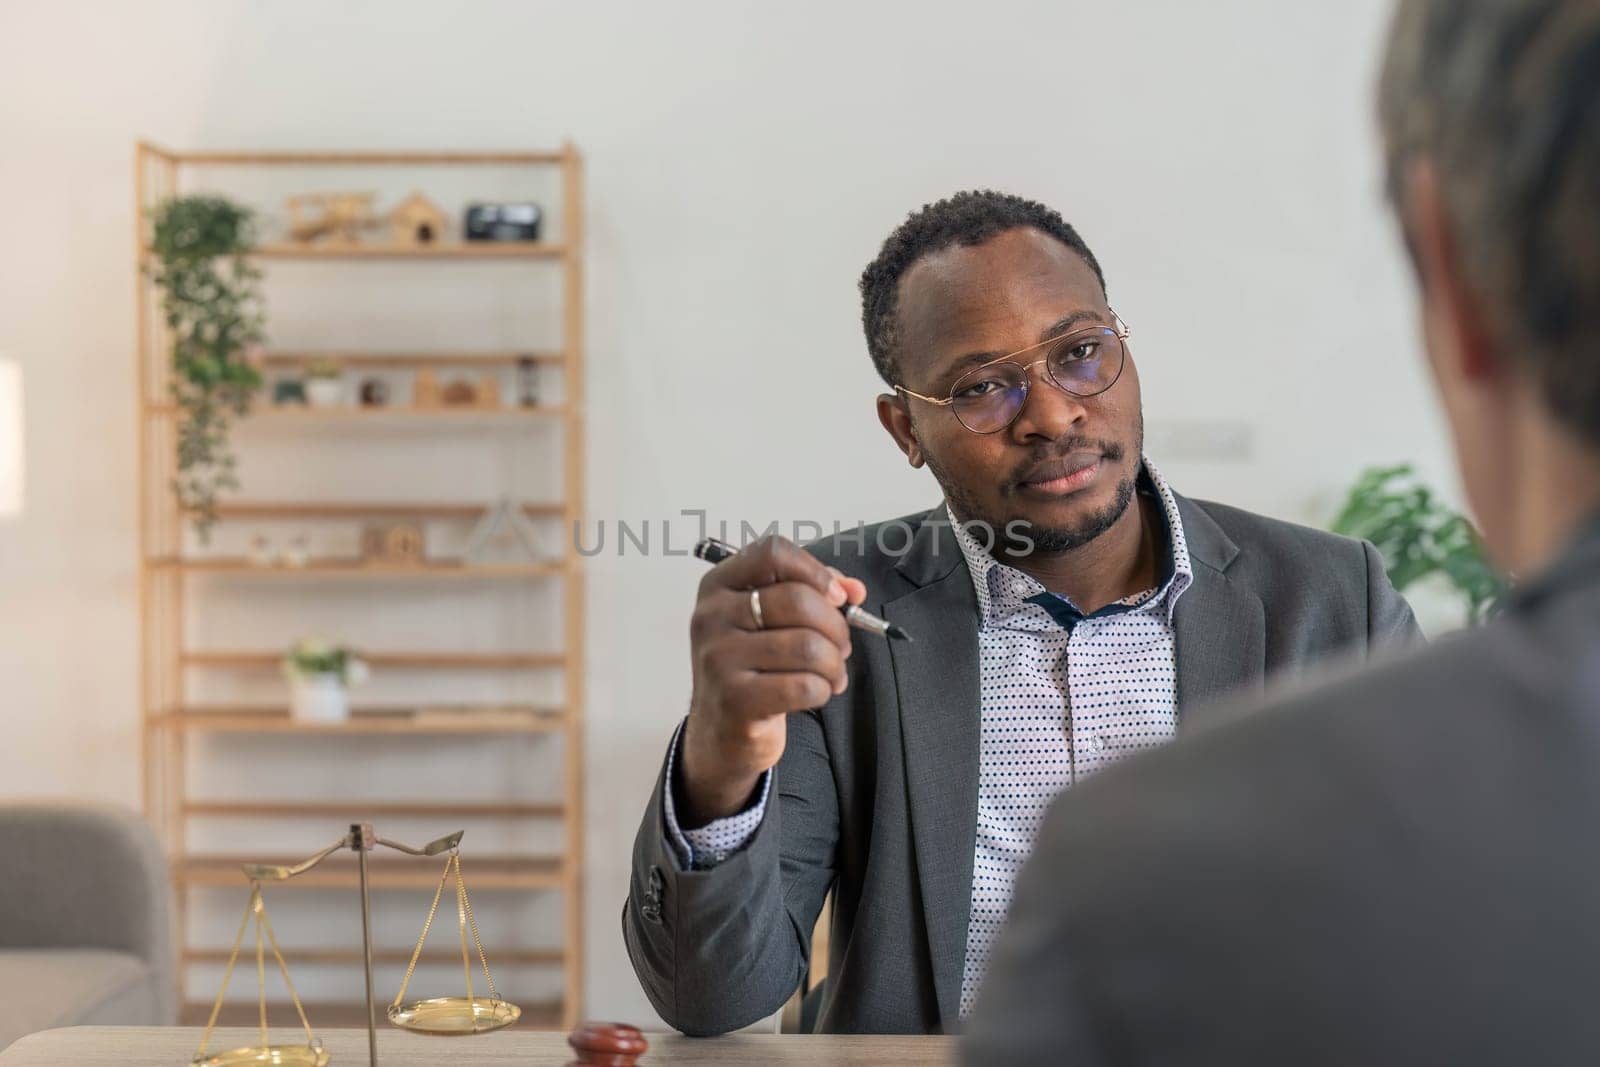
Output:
x,y
1402,868
1067,608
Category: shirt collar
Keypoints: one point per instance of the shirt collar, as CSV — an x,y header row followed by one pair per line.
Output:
x,y
1010,599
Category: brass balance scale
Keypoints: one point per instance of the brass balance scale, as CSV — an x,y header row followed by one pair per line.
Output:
x,y
450,1016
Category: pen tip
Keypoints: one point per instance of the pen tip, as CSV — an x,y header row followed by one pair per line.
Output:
x,y
897,633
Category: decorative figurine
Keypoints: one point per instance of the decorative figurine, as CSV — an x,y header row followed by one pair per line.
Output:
x,y
416,220
287,391
425,390
374,393
342,215
489,391
298,554
400,543
527,382
460,393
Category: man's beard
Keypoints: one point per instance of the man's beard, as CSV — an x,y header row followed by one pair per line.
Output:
x,y
1013,535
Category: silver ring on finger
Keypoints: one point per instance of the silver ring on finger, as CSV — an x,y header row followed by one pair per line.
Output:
x,y
755,609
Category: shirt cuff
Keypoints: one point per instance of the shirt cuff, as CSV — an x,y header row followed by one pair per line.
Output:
x,y
706,846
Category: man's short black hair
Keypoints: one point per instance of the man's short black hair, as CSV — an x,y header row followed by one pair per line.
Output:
x,y
967,218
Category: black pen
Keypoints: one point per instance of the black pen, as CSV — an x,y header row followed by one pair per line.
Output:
x,y
713,551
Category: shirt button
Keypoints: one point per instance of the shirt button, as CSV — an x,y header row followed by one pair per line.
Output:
x,y
1097,744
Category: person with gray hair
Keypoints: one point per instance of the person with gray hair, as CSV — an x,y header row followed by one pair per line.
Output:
x,y
1399,867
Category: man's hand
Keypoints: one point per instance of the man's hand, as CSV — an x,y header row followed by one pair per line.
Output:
x,y
750,673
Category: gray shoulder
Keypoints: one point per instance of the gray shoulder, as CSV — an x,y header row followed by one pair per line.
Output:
x,y
1347,750
1288,543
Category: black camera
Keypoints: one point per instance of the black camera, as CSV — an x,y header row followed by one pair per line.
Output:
x,y
503,222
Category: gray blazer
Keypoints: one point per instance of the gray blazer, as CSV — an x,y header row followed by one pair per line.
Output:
x,y
876,794
1400,868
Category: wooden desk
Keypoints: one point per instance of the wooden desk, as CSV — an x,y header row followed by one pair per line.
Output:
x,y
146,1046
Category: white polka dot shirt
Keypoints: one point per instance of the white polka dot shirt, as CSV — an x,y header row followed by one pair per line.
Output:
x,y
1060,696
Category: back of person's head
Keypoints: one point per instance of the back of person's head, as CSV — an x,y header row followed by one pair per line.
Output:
x,y
1502,97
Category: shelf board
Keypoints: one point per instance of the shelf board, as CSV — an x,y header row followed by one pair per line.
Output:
x,y
308,509
362,159
358,568
361,722
295,412
271,660
366,811
327,957
291,413
324,1015
440,360
530,251
482,873
442,250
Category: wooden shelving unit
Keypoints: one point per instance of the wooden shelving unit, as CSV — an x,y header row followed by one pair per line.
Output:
x,y
175,720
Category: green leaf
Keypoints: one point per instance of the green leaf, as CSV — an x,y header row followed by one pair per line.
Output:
x,y
1418,535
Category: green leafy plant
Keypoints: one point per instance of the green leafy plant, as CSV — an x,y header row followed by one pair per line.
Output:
x,y
1418,536
211,301
313,655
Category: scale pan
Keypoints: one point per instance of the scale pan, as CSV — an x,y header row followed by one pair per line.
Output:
x,y
454,1015
273,1055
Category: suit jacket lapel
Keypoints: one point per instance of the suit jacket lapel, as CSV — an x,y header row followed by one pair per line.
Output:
x,y
1220,626
936,675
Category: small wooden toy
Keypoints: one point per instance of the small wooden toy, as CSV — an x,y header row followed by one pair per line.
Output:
x,y
425,390
489,392
416,220
460,393
393,543
342,215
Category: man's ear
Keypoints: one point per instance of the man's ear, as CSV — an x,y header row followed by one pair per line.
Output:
x,y
1458,329
897,420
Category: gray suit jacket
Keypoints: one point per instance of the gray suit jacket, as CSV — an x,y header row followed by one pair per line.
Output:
x,y
1400,868
876,794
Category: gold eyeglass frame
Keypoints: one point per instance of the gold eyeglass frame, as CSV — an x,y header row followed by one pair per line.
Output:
x,y
1117,327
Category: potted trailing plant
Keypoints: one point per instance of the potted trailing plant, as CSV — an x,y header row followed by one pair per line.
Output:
x,y
211,302
324,383
1420,537
320,675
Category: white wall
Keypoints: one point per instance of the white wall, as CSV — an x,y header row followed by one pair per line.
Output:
x,y
744,162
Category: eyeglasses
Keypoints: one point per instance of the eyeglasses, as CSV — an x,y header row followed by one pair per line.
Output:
x,y
1083,363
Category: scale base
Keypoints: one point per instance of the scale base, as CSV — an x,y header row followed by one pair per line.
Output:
x,y
453,1016
271,1055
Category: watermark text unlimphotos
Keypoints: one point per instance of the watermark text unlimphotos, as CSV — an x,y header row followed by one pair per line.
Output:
x,y
677,535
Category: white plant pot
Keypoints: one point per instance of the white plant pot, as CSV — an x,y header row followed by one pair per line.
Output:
x,y
319,698
325,392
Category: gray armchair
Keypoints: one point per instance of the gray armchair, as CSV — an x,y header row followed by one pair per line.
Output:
x,y
86,930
